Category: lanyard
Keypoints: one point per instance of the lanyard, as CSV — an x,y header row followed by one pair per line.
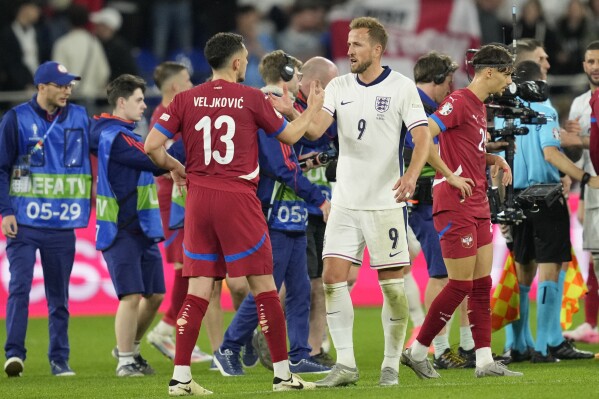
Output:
x,y
38,146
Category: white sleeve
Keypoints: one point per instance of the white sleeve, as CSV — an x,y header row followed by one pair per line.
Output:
x,y
412,110
330,95
574,110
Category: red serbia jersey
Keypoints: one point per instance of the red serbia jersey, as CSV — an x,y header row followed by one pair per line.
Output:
x,y
158,111
219,123
462,118
594,138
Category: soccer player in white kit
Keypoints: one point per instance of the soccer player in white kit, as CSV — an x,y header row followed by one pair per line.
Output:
x,y
580,111
373,106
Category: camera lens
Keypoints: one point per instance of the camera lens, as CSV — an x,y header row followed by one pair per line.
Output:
x,y
323,158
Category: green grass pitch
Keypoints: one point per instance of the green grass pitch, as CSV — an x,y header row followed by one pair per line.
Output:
x,y
92,339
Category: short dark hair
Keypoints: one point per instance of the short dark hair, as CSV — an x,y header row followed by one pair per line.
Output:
x,y
376,30
527,70
167,70
273,63
526,45
124,86
594,45
493,56
432,65
221,47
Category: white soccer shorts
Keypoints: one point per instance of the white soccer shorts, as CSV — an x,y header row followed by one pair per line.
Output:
x,y
349,231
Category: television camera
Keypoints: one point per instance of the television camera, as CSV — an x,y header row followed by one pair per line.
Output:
x,y
513,109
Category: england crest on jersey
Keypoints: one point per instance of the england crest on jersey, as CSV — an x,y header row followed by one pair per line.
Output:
x,y
382,104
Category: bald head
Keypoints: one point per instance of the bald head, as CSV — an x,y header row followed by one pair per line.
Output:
x,y
317,68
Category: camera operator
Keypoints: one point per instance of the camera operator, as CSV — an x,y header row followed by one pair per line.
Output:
x,y
433,74
543,237
532,50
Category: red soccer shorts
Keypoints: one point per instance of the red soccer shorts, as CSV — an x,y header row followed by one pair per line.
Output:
x,y
225,233
173,243
461,235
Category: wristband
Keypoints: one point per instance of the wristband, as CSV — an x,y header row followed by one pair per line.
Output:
x,y
585,179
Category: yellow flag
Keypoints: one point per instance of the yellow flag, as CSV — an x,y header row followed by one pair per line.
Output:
x,y
505,302
574,288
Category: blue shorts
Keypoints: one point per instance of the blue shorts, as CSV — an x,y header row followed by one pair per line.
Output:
x,y
135,265
421,222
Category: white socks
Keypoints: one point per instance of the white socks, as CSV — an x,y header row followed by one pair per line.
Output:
x,y
484,356
413,293
182,373
340,319
418,351
394,317
281,369
440,343
466,340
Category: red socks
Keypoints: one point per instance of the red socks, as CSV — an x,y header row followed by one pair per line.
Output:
x,y
442,308
187,328
272,323
591,300
178,293
479,305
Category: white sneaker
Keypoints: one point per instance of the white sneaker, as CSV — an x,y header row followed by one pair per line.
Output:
x,y
164,343
294,383
495,369
199,356
583,333
191,388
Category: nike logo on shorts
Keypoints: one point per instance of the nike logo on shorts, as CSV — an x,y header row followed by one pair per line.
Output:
x,y
391,255
329,313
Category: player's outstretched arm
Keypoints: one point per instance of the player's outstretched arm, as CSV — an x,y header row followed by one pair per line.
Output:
x,y
155,148
296,129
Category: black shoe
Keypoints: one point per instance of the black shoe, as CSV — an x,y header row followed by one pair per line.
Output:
x,y
449,360
518,357
538,357
469,356
567,351
324,358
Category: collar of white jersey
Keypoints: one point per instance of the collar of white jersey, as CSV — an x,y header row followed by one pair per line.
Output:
x,y
382,76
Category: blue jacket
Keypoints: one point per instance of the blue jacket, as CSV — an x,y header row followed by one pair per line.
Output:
x,y
49,158
127,160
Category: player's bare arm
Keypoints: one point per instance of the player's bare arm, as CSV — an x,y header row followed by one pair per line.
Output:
x,y
319,125
406,184
156,150
557,158
464,184
296,129
496,162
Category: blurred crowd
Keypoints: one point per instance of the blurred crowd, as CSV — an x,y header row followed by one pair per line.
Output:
x,y
105,38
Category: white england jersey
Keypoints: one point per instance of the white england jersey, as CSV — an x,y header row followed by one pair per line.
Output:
x,y
582,108
369,124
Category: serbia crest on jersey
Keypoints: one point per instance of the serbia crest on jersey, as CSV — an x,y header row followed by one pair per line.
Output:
x,y
219,123
462,118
